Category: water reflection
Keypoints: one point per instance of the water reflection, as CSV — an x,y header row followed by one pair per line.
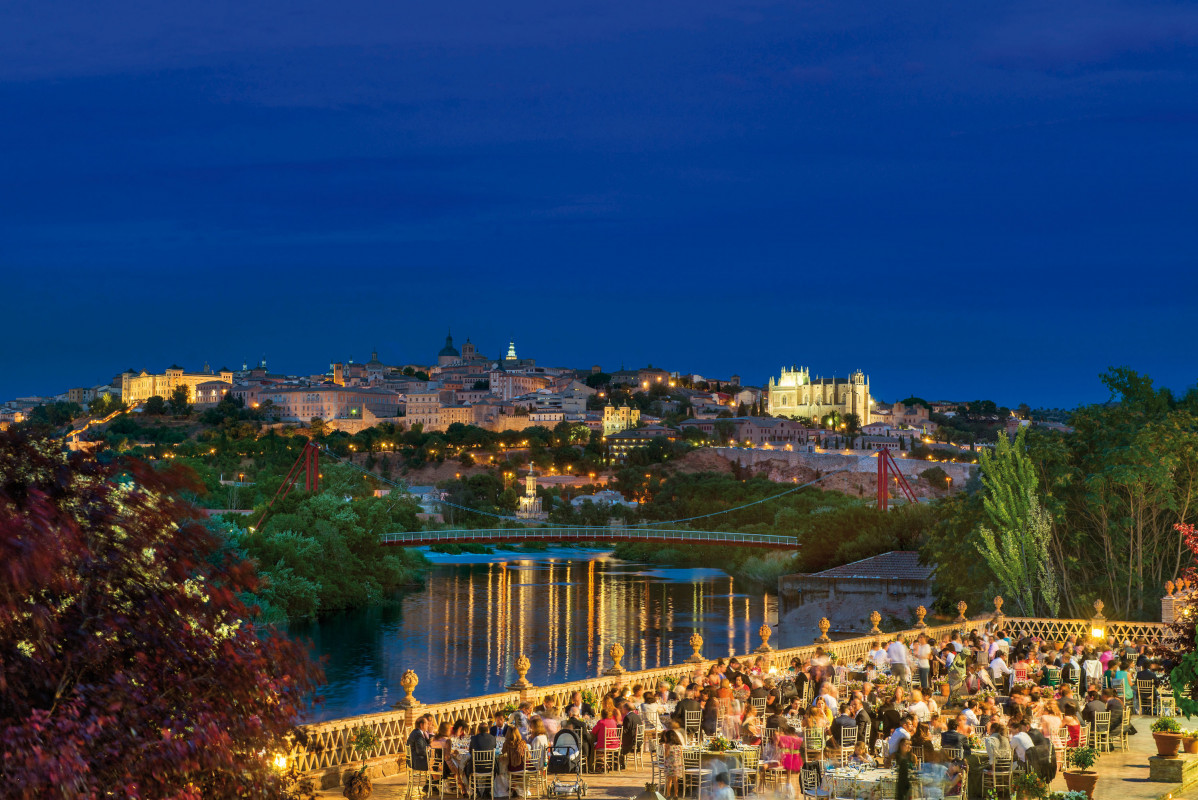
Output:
x,y
463,631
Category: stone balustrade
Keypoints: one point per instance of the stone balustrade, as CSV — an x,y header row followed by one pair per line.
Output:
x,y
327,753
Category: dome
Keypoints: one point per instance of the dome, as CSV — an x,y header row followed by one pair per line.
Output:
x,y
448,349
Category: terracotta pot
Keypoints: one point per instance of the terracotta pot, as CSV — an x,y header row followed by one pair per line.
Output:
x,y
1167,744
1191,744
944,690
1081,781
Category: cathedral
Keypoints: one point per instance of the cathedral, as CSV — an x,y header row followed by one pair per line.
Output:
x,y
796,394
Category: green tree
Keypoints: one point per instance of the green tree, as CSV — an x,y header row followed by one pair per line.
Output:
x,y
852,423
318,428
1015,537
155,405
178,402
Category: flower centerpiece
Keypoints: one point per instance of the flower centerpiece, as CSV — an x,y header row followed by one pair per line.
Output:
x,y
1166,732
718,744
975,742
1024,685
670,681
832,656
1029,786
589,699
1066,796
1081,779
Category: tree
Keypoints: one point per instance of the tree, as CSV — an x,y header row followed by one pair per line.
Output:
x,y
852,423
179,401
155,405
317,427
1014,539
129,667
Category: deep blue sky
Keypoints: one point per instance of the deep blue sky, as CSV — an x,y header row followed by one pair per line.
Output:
x,y
967,200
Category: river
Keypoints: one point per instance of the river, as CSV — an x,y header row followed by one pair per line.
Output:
x,y
464,629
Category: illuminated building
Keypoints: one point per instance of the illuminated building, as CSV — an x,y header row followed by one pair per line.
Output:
x,y
796,394
142,386
619,419
530,504
625,442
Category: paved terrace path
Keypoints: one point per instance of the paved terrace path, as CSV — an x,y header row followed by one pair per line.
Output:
x,y
1122,776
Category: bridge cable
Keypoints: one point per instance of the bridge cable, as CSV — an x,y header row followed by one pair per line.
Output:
x,y
605,527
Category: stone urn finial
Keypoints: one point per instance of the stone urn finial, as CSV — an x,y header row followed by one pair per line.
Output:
x,y
998,605
824,625
616,651
522,667
961,606
874,619
921,612
408,682
1169,588
764,632
1098,608
696,642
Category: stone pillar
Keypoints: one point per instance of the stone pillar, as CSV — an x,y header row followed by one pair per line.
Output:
x,y
874,619
616,652
1168,612
824,625
920,613
522,684
696,642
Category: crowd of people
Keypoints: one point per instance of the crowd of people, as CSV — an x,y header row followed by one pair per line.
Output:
x,y
799,716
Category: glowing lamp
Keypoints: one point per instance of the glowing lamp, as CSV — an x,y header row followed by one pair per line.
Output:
x,y
280,761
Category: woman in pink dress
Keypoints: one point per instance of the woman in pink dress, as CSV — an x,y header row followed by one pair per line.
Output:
x,y
790,748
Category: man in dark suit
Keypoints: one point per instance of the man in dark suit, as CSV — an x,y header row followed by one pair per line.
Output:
x,y
586,739
1115,706
1093,706
418,742
632,719
1068,703
952,738
687,704
842,721
1146,674
481,740
860,715
586,708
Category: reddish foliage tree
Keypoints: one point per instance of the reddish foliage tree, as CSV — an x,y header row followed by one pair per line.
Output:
x,y
127,663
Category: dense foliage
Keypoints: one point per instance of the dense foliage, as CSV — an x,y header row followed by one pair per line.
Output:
x,y
127,664
1114,488
317,554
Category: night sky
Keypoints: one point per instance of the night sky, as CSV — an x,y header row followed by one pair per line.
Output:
x,y
964,200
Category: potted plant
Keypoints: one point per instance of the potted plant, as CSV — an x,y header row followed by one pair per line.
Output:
x,y
357,783
1066,796
944,688
1029,786
1167,735
1190,741
1081,779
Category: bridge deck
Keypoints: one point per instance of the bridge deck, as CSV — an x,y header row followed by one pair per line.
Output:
x,y
587,534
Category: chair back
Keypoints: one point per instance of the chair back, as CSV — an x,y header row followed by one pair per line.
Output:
x,y
640,737
692,720
652,721
751,759
863,732
611,738
436,760
889,788
848,738
1102,722
1001,764
483,761
813,739
758,705
954,753
1020,675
